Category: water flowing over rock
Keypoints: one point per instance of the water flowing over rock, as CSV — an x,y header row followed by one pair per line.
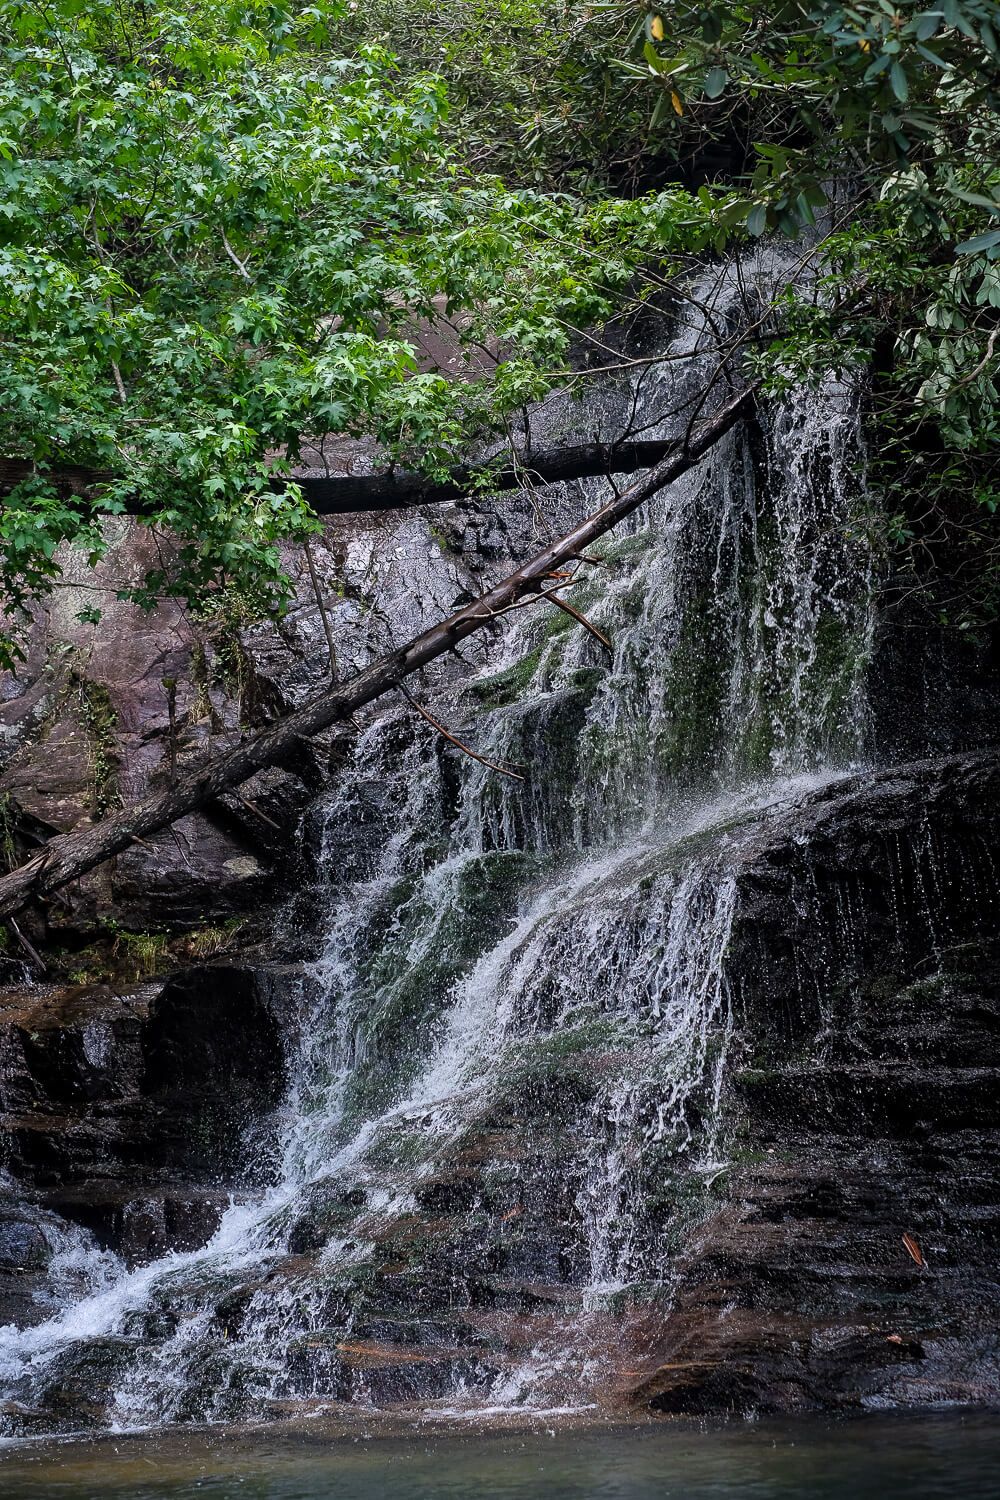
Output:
x,y
618,1084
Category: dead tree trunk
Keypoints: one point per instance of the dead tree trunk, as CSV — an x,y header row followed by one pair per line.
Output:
x,y
337,494
70,855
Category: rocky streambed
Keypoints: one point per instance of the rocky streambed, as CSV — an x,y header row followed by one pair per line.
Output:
x,y
840,1251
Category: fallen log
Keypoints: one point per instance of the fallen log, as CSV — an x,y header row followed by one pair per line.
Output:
x,y
338,494
392,489
71,855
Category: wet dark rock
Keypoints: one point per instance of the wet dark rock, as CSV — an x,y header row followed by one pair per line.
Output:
x,y
213,1062
867,982
23,1246
934,689
88,1375
328,1213
861,1105
127,1111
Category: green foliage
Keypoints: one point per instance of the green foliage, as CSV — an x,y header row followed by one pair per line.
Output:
x,y
138,955
880,123
117,955
817,89
224,223
8,832
100,722
215,240
533,90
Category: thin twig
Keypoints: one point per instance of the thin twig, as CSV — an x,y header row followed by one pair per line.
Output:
x,y
29,949
252,807
119,383
514,775
582,620
235,258
322,610
974,374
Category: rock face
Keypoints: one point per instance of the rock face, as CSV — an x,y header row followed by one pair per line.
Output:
x,y
101,715
854,1257
845,1252
137,1080
130,1112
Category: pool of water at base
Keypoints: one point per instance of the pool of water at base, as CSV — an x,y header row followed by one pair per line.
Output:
x,y
930,1457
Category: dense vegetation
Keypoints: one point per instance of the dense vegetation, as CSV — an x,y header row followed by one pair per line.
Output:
x,y
222,222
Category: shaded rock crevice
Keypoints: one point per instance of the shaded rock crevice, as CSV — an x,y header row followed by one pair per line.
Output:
x,y
137,1112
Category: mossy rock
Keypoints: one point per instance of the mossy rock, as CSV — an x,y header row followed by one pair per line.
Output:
x,y
508,686
401,998
325,1216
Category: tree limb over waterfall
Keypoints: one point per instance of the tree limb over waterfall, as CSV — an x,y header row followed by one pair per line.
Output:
x,y
341,493
71,855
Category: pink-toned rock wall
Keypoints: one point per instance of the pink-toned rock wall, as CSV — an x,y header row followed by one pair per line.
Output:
x,y
104,713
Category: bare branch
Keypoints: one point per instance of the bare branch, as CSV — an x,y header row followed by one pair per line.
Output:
x,y
235,258
453,739
582,619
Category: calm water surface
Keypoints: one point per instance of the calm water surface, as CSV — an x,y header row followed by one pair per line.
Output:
x,y
930,1458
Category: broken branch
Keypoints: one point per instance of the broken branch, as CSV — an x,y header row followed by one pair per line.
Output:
x,y
582,619
426,714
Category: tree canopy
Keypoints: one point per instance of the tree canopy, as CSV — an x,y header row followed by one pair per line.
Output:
x,y
223,224
217,237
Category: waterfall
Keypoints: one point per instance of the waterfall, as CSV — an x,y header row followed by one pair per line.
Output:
x,y
520,973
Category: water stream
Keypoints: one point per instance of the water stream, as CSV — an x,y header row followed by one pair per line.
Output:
x,y
939,1458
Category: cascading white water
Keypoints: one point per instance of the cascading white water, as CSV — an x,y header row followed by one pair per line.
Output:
x,y
496,922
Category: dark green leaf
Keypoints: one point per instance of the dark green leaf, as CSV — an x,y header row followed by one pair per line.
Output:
x,y
979,242
757,219
716,80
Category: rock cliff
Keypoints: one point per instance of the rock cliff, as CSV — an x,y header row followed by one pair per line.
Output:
x,y
843,1253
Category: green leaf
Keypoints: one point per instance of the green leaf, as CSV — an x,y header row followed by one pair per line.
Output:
x,y
900,82
757,220
979,242
805,211
661,110
878,66
977,199
653,58
716,80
